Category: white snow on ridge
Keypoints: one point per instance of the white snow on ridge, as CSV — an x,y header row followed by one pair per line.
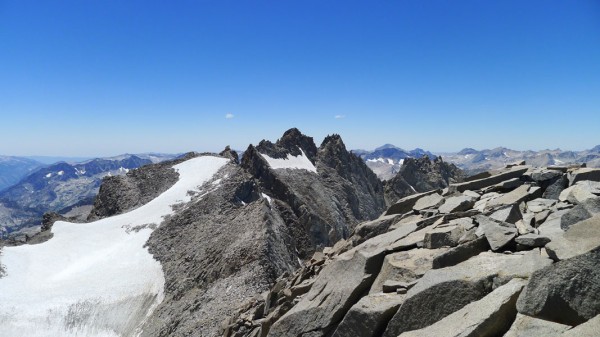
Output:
x,y
267,197
381,160
300,162
93,279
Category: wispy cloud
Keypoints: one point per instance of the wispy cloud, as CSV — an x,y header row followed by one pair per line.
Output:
x,y
339,116
229,116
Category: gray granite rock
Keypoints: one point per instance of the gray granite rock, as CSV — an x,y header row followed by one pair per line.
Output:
x,y
441,292
443,236
510,214
556,187
532,240
406,204
457,204
580,238
584,173
585,210
498,234
405,267
489,181
428,201
369,316
340,284
567,292
489,316
587,329
526,326
540,205
505,186
369,229
520,194
460,253
579,192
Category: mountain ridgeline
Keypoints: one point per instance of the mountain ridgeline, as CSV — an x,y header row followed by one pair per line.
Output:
x,y
230,238
421,175
13,169
65,188
254,221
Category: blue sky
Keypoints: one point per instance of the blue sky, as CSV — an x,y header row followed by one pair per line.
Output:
x,y
96,78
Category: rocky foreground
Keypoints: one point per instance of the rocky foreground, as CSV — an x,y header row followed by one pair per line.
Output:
x,y
508,253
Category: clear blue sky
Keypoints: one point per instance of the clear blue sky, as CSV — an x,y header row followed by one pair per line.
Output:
x,y
95,78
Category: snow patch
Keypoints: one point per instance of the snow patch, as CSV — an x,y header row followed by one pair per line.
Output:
x,y
300,162
48,175
60,173
93,279
267,197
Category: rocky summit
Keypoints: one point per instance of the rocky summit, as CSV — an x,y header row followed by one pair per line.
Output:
x,y
514,252
296,239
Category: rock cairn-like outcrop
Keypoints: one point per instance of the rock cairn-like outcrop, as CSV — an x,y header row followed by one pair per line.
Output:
x,y
508,253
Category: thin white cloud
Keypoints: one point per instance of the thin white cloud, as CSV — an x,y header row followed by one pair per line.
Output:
x,y
229,116
339,116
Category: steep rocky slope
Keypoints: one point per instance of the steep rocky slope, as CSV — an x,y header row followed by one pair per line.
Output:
x,y
247,225
324,192
514,253
97,278
421,175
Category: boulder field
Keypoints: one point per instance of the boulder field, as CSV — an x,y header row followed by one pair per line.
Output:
x,y
513,253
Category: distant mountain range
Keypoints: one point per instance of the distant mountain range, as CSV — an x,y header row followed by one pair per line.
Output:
x,y
13,169
386,160
66,188
474,161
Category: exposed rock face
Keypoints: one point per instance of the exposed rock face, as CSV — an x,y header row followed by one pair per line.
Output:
x,y
323,207
421,175
527,326
489,316
437,263
367,317
226,247
400,275
119,194
211,261
386,160
567,292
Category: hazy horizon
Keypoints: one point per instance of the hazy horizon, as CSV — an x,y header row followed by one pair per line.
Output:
x,y
75,158
104,78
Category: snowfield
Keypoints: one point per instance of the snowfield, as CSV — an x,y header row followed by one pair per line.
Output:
x,y
93,279
300,162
